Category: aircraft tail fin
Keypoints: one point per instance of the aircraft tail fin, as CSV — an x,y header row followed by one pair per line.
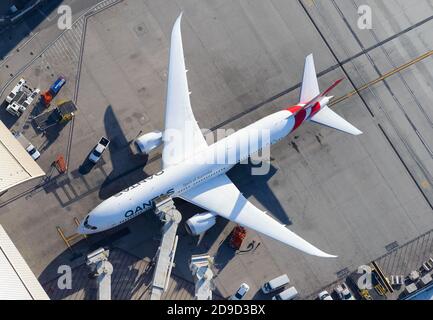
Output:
x,y
329,118
310,85
310,91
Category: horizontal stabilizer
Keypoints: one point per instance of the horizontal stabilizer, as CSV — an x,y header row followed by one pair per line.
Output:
x,y
329,118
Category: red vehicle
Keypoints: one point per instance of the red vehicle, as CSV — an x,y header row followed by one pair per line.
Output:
x,y
49,95
238,235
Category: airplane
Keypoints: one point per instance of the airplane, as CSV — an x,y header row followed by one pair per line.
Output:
x,y
205,184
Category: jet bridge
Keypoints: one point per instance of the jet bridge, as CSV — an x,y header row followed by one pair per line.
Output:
x,y
167,212
200,267
101,269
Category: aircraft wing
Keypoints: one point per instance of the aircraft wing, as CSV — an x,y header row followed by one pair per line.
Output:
x,y
182,135
221,196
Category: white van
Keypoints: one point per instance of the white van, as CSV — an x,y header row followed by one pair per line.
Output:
x,y
275,284
288,294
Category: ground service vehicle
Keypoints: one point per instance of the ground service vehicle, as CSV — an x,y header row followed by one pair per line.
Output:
x,y
49,95
275,284
33,152
63,113
99,150
343,292
324,295
30,148
15,90
288,294
241,292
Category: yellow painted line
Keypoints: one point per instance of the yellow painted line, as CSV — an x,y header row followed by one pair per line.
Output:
x,y
62,235
386,75
425,184
73,237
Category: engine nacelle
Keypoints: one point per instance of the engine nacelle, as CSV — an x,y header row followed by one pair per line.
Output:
x,y
200,223
147,142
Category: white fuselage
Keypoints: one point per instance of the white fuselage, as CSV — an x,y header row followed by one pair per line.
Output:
x,y
197,169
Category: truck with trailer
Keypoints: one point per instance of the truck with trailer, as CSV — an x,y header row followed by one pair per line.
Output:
x,y
55,88
64,112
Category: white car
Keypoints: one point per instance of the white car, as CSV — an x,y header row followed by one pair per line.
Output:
x,y
242,291
324,295
344,292
33,152
99,150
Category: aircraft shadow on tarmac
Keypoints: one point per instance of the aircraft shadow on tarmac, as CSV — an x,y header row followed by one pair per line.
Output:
x,y
123,160
258,187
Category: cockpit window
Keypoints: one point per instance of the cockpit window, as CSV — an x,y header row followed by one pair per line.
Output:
x,y
87,225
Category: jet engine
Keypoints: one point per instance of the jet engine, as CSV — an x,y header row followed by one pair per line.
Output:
x,y
147,142
200,223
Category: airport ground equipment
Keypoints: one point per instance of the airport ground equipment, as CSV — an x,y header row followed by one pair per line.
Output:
x,y
12,95
60,164
238,235
411,288
102,269
397,280
200,267
55,88
365,294
20,98
167,212
382,280
63,113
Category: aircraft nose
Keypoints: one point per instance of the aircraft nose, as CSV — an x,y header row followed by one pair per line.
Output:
x,y
88,225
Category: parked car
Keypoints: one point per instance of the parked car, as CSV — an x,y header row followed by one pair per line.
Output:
x,y
242,291
343,292
324,295
33,152
99,150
